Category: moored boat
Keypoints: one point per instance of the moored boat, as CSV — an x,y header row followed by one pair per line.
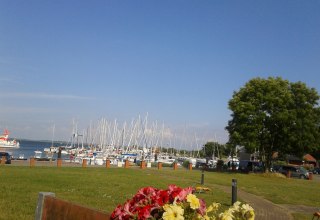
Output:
x,y
37,154
6,143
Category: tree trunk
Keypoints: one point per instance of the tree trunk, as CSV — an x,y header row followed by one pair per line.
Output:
x,y
266,158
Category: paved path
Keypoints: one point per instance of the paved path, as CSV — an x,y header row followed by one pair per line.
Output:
x,y
266,210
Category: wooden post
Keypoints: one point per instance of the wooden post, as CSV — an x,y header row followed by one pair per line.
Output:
x,y
126,164
59,162
40,204
3,160
234,191
175,166
84,163
190,166
107,163
159,165
143,164
32,162
288,174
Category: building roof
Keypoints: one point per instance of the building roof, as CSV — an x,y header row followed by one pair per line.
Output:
x,y
309,158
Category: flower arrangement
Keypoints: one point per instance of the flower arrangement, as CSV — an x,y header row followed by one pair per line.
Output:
x,y
176,203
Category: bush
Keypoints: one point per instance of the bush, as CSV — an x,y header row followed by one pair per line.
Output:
x,y
308,166
186,164
220,165
167,165
270,175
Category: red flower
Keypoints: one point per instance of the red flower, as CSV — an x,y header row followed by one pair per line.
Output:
x,y
148,203
174,191
161,198
144,212
116,212
202,209
120,213
147,191
138,197
183,194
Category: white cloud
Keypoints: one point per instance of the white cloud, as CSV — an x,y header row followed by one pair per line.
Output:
x,y
8,80
42,96
14,110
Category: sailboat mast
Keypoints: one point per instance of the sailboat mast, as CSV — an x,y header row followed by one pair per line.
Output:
x,y
53,134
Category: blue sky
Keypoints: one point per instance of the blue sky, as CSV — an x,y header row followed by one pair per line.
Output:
x,y
177,61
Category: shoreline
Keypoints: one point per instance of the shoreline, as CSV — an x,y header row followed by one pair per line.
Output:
x,y
55,164
46,163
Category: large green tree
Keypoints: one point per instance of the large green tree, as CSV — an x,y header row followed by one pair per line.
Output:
x,y
213,148
275,115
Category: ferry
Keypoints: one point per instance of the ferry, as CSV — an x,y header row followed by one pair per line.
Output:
x,y
6,143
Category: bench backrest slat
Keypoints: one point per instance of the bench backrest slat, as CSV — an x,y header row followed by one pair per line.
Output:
x,y
58,209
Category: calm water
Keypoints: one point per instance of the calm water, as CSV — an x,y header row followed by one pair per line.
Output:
x,y
28,147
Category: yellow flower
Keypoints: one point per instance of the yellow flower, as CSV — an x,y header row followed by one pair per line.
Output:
x,y
194,201
249,215
236,206
247,212
213,207
227,215
173,212
205,217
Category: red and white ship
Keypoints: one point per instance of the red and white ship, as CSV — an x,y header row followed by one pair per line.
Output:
x,y
6,143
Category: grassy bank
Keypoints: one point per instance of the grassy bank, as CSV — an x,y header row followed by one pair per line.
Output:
x,y
104,189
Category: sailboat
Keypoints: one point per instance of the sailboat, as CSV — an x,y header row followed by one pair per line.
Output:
x,y
51,150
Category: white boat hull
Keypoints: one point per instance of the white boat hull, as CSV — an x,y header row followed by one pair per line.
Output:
x,y
9,145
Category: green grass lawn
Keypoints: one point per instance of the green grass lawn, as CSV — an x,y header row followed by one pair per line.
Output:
x,y
104,189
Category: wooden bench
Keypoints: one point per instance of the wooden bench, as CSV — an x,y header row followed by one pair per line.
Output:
x,y
51,208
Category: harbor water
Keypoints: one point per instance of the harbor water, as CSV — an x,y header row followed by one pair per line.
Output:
x,y
28,147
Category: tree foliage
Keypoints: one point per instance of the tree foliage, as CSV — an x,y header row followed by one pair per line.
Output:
x,y
274,115
213,149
